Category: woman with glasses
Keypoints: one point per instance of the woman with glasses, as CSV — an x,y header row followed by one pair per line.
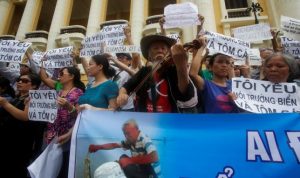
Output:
x,y
20,140
71,89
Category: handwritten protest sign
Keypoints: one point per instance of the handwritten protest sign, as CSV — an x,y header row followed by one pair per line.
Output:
x,y
113,34
252,33
122,49
91,45
58,58
175,36
254,57
14,67
258,96
290,27
181,15
13,50
42,105
108,36
291,46
37,57
233,47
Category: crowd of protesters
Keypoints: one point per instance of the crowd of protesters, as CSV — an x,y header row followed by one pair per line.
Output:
x,y
167,82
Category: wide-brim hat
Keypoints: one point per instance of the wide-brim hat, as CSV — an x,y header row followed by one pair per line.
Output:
x,y
146,41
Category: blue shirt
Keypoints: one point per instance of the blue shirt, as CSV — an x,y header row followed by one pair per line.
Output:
x,y
100,95
216,99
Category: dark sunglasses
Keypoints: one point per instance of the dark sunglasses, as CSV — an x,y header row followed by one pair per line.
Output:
x,y
61,73
23,80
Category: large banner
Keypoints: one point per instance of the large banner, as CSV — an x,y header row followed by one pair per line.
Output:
x,y
195,145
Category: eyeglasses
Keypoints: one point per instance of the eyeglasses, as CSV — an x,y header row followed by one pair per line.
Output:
x,y
61,73
23,80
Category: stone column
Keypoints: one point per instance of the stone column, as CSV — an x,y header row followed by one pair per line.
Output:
x,y
30,18
61,18
96,11
137,20
5,7
206,8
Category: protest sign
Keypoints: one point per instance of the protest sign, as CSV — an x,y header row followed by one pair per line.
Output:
x,y
291,46
212,145
58,58
175,36
181,15
253,33
15,67
112,35
42,105
13,50
37,57
91,45
254,57
259,96
233,47
122,49
290,27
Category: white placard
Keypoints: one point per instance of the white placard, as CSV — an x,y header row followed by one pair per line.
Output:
x,y
13,50
290,27
254,57
253,33
291,46
37,57
14,67
233,47
43,105
175,36
108,36
91,45
122,49
181,15
259,96
58,58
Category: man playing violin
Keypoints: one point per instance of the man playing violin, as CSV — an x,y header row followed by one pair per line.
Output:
x,y
163,86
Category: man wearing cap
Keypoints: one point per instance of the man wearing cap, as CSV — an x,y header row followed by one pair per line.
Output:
x,y
169,88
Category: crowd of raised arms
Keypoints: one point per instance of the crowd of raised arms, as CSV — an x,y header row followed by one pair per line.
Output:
x,y
167,81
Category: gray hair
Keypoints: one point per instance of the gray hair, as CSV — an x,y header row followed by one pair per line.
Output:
x,y
130,122
290,61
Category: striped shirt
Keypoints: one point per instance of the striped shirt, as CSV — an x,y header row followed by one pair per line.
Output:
x,y
144,146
